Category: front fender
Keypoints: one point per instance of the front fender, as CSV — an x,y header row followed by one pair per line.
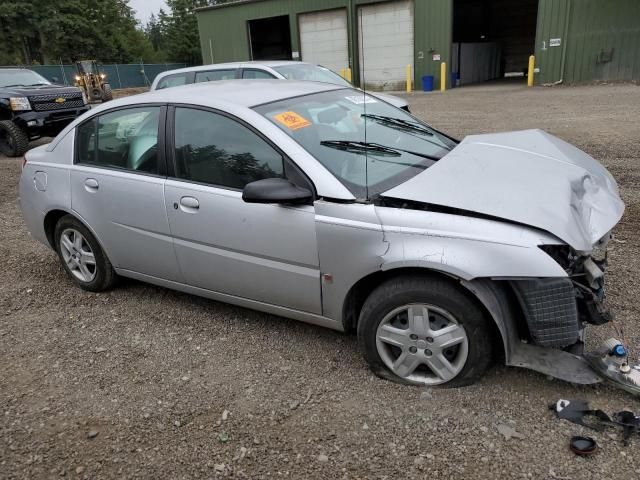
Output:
x,y
466,258
467,247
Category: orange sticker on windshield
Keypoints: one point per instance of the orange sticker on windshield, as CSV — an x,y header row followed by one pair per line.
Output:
x,y
292,120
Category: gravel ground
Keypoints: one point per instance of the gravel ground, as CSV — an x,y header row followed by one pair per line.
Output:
x,y
143,382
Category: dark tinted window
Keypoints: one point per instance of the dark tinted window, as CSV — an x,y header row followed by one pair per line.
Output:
x,y
172,81
214,75
214,149
260,74
126,139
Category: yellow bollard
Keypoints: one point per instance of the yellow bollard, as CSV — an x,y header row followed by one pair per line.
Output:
x,y
342,73
443,76
348,73
408,78
532,64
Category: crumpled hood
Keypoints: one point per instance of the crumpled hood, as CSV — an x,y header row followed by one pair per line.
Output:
x,y
529,177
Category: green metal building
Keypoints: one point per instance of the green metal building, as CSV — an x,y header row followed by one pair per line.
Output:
x,y
573,40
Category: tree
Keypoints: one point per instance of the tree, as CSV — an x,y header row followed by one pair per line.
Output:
x,y
49,31
180,30
65,30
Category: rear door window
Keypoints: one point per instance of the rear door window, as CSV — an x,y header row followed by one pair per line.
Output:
x,y
215,75
126,139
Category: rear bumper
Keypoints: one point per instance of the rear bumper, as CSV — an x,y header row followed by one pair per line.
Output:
x,y
47,123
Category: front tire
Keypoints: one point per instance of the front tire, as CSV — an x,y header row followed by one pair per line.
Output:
x,y
14,141
107,93
82,257
422,330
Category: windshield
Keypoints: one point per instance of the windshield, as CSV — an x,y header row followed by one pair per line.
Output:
x,y
314,73
86,66
331,127
21,78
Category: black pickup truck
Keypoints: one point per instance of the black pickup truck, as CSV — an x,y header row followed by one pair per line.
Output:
x,y
32,107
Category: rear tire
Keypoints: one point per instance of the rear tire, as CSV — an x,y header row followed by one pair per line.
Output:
x,y
452,349
107,93
14,141
82,257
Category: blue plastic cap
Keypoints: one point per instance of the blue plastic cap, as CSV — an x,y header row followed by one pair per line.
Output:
x,y
619,351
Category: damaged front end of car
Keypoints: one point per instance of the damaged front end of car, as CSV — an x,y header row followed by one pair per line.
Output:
x,y
558,310
561,206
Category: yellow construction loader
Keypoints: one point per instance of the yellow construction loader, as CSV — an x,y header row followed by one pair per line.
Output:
x,y
92,81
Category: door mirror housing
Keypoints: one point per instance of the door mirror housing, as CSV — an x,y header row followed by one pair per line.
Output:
x,y
275,190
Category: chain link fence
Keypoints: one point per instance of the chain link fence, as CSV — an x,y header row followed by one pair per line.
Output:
x,y
119,75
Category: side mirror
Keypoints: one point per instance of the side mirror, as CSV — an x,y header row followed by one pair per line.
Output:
x,y
275,190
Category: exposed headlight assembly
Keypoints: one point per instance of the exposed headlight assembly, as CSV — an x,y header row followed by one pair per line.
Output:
x,y
562,254
19,103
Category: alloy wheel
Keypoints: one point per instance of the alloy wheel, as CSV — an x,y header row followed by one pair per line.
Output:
x,y
78,255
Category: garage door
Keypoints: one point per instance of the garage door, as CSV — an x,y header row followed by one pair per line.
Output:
x,y
323,38
386,44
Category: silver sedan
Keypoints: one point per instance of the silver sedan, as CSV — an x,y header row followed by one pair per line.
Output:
x,y
279,69
323,204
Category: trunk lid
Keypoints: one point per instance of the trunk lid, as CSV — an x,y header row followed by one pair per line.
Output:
x,y
530,177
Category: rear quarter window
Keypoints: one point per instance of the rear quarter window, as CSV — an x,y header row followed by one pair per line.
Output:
x,y
173,81
215,75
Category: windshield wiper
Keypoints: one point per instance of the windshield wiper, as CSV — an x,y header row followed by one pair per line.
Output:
x,y
353,146
399,122
37,84
14,85
407,126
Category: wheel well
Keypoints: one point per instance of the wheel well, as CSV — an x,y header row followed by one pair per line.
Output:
x,y
50,221
360,291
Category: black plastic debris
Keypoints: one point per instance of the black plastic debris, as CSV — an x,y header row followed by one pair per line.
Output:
x,y
580,413
629,422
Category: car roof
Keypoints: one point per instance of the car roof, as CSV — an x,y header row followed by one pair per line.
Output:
x,y
245,93
221,66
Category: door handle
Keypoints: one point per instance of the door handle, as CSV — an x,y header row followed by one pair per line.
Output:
x,y
91,185
189,204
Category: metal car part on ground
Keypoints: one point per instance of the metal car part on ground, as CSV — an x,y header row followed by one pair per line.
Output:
x,y
580,413
319,204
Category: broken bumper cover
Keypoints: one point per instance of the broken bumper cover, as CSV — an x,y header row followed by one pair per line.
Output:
x,y
613,371
556,309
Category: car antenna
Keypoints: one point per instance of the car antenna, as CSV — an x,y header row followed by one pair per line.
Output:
x,y
364,105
